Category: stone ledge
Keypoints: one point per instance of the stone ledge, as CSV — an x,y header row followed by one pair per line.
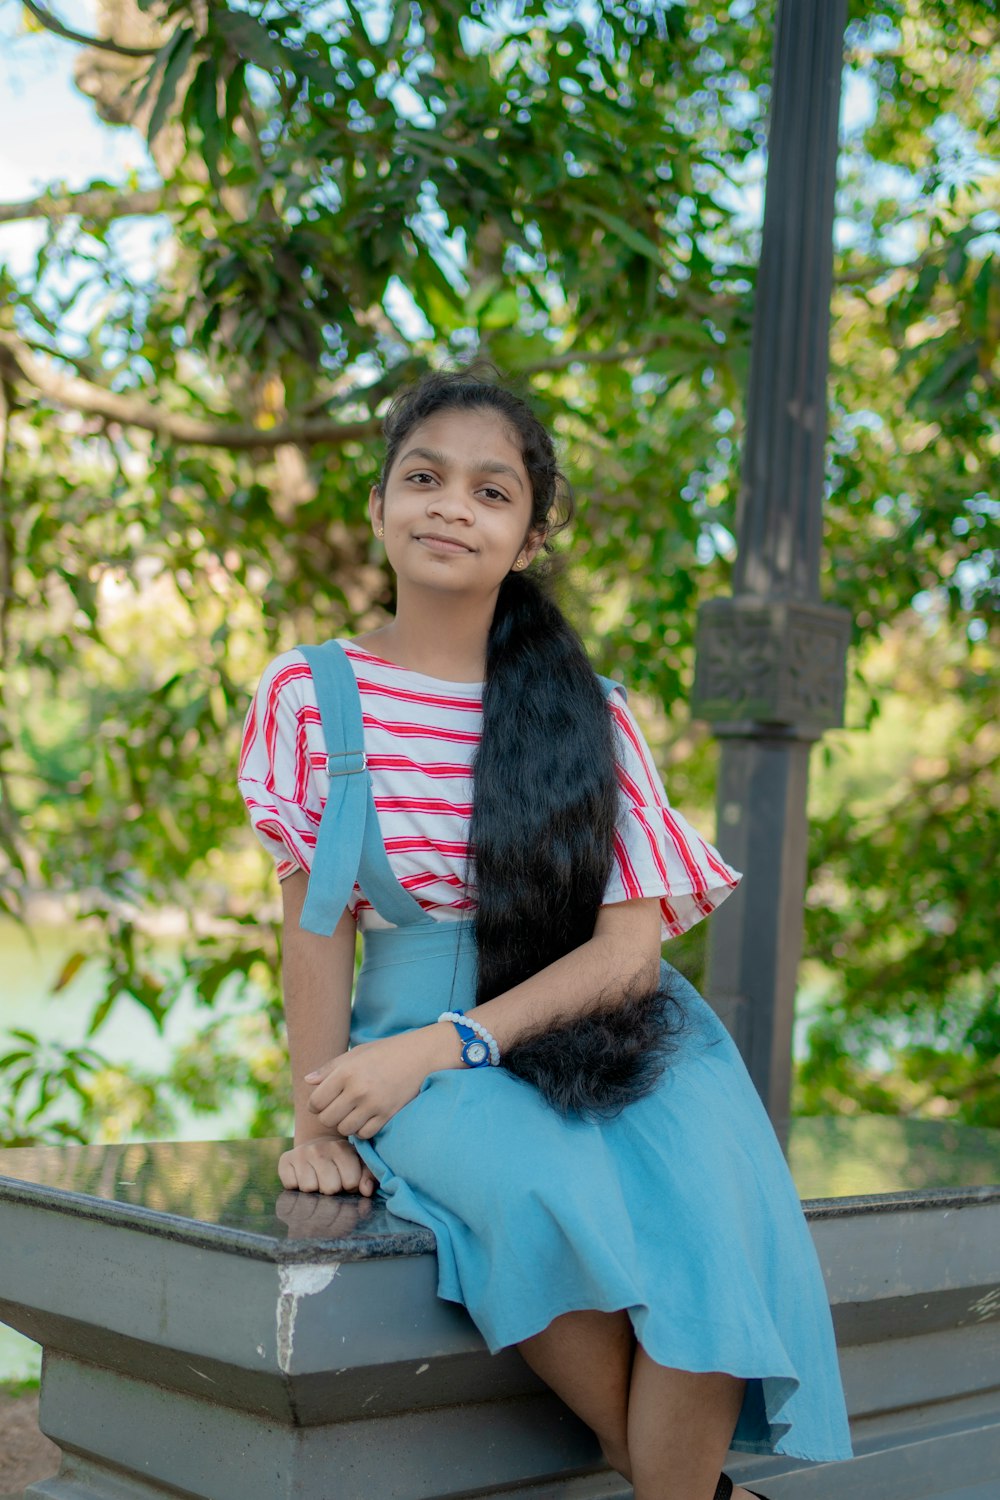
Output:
x,y
294,1338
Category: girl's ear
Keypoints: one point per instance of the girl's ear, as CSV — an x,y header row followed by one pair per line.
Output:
x,y
532,546
375,509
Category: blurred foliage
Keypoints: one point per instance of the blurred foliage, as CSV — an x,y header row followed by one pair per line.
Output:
x,y
352,193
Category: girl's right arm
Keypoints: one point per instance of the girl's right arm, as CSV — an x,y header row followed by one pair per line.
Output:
x,y
317,975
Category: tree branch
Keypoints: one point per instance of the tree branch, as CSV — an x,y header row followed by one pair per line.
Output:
x,y
614,356
8,816
96,203
52,23
19,361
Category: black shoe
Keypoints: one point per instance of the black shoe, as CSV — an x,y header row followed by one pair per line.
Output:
x,y
724,1489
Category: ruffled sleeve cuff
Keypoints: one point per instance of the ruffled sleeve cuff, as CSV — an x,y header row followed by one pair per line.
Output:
x,y
657,852
282,741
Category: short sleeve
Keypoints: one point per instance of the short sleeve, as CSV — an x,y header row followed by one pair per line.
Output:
x,y
657,852
282,764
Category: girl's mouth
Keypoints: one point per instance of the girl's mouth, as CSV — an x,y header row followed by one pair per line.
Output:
x,y
441,543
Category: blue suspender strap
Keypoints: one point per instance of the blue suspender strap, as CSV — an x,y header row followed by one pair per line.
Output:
x,y
378,881
349,843
608,684
341,830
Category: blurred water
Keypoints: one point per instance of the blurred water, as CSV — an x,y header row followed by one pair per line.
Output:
x,y
31,960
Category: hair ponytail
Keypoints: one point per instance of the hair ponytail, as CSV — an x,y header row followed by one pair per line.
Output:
x,y
545,792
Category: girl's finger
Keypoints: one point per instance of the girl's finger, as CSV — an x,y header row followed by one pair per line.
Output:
x,y
330,1177
306,1173
371,1127
349,1167
324,1093
367,1184
353,1120
332,1116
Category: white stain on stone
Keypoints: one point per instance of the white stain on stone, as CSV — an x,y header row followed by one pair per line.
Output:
x,y
296,1282
422,1368
987,1306
201,1374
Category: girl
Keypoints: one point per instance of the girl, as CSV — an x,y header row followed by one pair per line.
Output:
x,y
486,811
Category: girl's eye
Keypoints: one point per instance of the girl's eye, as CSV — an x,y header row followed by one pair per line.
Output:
x,y
421,474
494,494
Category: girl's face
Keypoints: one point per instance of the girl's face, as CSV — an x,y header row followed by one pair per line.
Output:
x,y
457,504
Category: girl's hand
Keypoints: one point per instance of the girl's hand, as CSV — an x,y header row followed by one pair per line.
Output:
x,y
362,1089
325,1165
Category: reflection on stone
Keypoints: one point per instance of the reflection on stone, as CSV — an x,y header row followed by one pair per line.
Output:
x,y
320,1216
848,1157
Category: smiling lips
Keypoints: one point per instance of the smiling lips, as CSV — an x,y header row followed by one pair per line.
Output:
x,y
438,543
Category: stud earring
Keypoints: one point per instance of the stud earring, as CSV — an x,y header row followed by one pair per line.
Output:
x,y
522,562
380,532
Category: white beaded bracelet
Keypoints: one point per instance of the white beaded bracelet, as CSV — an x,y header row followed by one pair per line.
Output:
x,y
459,1017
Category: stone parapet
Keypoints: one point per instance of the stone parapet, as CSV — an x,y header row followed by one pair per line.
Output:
x,y
209,1335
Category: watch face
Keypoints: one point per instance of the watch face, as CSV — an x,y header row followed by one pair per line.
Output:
x,y
475,1053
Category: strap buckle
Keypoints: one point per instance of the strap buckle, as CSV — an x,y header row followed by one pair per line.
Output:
x,y
346,770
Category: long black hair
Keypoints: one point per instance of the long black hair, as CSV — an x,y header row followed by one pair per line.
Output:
x,y
545,786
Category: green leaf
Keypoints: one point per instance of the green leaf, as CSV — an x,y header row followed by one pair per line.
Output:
x,y
950,379
249,39
502,310
204,92
634,238
69,970
236,85
178,56
102,1010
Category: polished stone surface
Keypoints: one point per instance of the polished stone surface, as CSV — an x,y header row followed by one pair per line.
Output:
x,y
219,1194
226,1194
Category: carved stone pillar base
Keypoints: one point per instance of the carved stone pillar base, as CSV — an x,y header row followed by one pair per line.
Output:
x,y
767,662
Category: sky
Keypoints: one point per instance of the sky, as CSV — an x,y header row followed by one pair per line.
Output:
x,y
47,128
49,132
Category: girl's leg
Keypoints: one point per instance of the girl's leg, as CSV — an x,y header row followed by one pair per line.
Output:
x,y
667,1431
680,1425
586,1358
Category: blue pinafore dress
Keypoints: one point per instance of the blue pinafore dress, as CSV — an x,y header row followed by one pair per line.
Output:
x,y
681,1210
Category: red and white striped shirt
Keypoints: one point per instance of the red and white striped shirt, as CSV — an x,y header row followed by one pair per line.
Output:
x,y
421,735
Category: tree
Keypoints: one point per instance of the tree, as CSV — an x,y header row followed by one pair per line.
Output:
x,y
350,194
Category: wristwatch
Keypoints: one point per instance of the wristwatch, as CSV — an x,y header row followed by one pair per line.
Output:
x,y
475,1052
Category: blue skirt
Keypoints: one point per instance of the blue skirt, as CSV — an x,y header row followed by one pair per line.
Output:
x,y
680,1211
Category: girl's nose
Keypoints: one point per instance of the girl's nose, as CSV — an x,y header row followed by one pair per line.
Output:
x,y
450,501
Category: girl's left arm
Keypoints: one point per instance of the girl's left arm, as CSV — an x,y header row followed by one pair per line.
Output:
x,y
624,953
359,1092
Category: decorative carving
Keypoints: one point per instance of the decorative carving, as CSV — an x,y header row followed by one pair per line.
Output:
x,y
771,662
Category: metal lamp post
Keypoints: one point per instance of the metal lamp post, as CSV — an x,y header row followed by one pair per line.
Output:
x,y
770,661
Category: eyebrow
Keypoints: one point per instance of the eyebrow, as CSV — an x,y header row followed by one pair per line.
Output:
x,y
480,466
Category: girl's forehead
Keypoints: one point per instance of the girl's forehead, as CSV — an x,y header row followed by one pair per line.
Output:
x,y
462,432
